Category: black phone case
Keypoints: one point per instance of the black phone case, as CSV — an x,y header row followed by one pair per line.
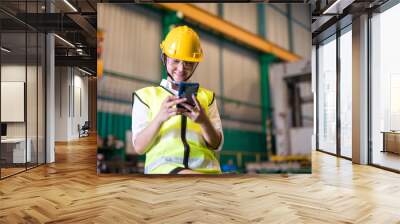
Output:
x,y
183,92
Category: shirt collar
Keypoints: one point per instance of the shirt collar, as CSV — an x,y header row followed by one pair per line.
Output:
x,y
168,85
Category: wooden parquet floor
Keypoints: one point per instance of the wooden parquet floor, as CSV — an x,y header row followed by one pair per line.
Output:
x,y
69,191
10,171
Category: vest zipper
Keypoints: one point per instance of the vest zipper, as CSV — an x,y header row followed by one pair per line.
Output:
x,y
185,144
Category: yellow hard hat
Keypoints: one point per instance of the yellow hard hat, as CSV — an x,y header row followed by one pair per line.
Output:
x,y
182,43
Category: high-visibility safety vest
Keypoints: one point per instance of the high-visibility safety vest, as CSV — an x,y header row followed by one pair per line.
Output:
x,y
179,142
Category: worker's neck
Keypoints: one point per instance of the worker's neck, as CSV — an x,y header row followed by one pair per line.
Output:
x,y
174,85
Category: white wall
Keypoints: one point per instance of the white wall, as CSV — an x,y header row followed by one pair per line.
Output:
x,y
61,105
33,127
79,117
14,73
17,73
71,94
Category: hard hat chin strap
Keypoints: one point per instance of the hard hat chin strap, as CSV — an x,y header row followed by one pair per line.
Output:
x,y
163,59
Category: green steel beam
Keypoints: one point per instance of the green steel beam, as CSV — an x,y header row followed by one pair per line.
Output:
x,y
263,66
265,61
170,19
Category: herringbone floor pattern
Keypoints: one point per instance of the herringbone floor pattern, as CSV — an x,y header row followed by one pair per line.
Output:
x,y
69,191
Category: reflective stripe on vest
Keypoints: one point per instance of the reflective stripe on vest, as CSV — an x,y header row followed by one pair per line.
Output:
x,y
180,142
191,136
194,163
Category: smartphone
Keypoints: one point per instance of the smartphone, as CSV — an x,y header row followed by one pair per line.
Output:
x,y
186,90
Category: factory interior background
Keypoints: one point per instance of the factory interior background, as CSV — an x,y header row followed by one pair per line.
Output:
x,y
264,99
315,80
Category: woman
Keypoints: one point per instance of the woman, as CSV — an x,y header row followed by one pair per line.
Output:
x,y
177,140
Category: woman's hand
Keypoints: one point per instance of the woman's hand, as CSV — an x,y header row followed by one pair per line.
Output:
x,y
168,108
195,113
145,138
198,115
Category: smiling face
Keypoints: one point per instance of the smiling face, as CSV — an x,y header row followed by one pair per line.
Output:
x,y
180,70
